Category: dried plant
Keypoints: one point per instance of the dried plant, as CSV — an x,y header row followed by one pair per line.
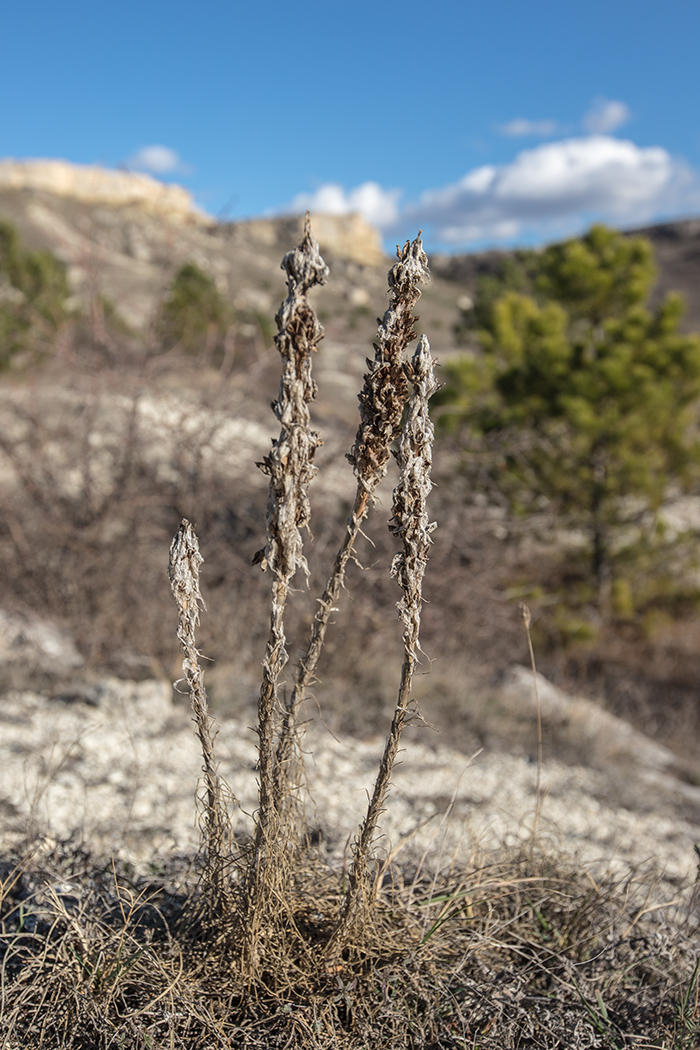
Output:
x,y
411,523
382,403
95,956
527,620
289,465
183,570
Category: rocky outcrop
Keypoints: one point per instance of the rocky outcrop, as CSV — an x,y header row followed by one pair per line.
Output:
x,y
124,234
97,185
115,763
344,236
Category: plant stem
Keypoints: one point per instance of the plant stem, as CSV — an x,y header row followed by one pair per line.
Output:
x,y
289,465
382,403
525,613
410,521
183,570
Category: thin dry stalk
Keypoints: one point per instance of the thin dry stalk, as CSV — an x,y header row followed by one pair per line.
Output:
x,y
410,522
527,619
289,466
382,403
183,570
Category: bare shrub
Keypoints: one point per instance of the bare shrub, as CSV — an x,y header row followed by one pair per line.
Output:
x,y
98,470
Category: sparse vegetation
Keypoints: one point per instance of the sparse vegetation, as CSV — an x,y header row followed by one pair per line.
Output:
x,y
262,942
195,315
34,294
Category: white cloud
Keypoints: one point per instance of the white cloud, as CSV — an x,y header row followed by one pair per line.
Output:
x,y
377,205
555,185
520,127
160,160
606,115
552,190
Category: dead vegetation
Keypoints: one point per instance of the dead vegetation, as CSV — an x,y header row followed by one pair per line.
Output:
x,y
262,942
515,952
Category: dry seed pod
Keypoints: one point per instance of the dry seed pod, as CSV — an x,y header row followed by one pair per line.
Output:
x,y
410,519
289,464
385,388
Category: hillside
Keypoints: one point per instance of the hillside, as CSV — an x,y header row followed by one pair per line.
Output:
x,y
124,235
676,247
531,878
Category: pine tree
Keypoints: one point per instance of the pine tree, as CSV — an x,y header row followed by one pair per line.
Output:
x,y
194,313
589,394
34,291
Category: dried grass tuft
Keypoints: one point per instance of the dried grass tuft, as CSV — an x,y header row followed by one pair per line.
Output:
x,y
516,952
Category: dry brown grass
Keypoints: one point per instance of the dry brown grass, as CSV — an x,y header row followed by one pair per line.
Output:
x,y
515,952
263,943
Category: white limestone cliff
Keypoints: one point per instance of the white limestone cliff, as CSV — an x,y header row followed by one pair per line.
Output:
x,y
93,184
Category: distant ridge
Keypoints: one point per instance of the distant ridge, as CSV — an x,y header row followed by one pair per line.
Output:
x,y
347,236
124,234
96,185
676,250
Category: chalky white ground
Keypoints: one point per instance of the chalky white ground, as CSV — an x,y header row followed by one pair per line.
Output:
x,y
120,773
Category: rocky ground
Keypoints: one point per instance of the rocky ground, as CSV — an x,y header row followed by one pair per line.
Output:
x,y
114,765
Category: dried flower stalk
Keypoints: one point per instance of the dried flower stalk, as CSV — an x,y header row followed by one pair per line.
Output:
x,y
382,402
289,465
183,570
411,523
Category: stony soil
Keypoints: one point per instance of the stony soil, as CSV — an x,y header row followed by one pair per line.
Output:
x,y
115,764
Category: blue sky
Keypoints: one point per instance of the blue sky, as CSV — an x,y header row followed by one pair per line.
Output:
x,y
485,124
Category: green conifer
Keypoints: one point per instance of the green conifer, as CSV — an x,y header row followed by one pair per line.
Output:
x,y
589,394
